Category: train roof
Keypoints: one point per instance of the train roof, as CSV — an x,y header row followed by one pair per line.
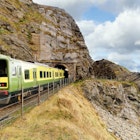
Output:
x,y
5,57
22,61
41,64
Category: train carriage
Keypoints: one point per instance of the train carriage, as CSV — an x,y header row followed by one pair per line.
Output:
x,y
16,75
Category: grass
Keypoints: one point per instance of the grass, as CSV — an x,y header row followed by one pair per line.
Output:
x,y
65,116
20,26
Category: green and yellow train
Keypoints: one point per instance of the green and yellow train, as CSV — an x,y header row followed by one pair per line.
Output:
x,y
16,75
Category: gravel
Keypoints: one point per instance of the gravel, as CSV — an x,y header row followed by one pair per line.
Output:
x,y
121,128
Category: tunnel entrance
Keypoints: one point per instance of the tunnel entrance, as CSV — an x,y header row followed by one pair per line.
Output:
x,y
66,73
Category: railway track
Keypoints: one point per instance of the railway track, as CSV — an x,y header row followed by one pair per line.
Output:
x,y
13,110
5,110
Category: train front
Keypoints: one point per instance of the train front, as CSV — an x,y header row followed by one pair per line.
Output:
x,y
4,97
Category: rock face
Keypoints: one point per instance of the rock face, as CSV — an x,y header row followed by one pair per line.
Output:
x,y
17,23
108,70
62,40
116,102
118,98
41,33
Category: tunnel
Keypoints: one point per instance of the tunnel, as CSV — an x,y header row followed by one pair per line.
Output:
x,y
66,73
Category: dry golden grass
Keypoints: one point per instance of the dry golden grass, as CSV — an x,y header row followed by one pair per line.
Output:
x,y
65,116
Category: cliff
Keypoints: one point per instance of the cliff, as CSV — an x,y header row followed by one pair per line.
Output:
x,y
104,69
40,33
118,103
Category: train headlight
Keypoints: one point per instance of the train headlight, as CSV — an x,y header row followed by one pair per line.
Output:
x,y
3,84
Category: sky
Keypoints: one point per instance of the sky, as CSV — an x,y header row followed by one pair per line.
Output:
x,y
111,28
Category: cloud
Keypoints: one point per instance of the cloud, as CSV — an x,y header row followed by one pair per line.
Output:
x,y
137,42
125,60
118,6
118,40
86,26
73,7
76,8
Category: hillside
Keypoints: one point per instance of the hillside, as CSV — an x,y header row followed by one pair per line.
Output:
x,y
33,32
118,103
108,70
65,116
105,69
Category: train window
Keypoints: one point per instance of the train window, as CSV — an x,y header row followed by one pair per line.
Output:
x,y
45,75
27,74
3,68
50,74
14,71
19,70
41,74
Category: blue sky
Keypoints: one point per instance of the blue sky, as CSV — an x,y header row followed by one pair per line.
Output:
x,y
111,28
97,14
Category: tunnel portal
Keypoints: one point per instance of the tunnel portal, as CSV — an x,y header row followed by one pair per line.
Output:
x,y
66,72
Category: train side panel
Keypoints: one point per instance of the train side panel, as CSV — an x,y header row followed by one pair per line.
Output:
x,y
29,78
20,75
44,75
48,75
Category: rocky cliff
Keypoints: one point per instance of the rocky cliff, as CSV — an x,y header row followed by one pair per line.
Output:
x,y
118,103
42,33
104,69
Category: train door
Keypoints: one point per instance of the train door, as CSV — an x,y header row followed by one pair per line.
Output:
x,y
35,76
19,77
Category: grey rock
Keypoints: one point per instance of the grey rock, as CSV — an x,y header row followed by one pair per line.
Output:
x,y
117,105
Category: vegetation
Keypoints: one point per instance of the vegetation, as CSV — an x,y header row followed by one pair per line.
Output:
x,y
17,23
65,116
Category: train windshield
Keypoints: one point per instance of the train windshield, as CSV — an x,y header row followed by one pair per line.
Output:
x,y
3,68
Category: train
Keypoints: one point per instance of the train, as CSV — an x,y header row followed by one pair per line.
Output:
x,y
16,75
